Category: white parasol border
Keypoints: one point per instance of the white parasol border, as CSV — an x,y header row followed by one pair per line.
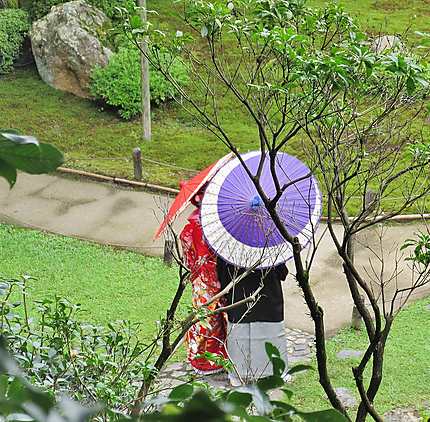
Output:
x,y
234,251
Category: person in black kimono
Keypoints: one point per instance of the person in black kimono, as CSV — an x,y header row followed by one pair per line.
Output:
x,y
251,325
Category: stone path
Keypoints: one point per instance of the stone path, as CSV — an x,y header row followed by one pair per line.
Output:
x,y
128,218
300,348
108,214
403,415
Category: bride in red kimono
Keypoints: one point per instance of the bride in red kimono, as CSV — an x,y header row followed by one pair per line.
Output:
x,y
209,335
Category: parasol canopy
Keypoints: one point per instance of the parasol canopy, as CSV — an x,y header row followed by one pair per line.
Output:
x,y
187,192
235,221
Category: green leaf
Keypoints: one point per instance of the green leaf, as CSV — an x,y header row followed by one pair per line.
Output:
x,y
181,392
323,416
12,131
135,21
202,408
271,350
278,366
422,34
8,172
299,368
31,158
288,393
17,391
19,417
239,399
270,383
260,399
4,382
13,136
274,356
410,85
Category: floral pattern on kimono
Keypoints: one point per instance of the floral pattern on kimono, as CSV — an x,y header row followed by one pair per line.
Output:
x,y
208,335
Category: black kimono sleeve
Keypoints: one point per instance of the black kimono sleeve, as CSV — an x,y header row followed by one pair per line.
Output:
x,y
270,305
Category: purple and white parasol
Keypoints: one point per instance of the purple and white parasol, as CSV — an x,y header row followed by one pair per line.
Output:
x,y
236,223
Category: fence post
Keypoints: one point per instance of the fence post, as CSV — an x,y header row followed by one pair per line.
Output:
x,y
356,319
168,252
370,198
137,163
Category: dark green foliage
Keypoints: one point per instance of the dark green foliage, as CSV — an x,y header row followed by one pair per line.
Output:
x,y
21,401
110,6
12,4
40,8
101,367
119,83
420,254
62,354
25,153
14,26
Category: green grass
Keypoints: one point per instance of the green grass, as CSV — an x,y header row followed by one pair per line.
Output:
x,y
388,16
406,367
99,141
110,284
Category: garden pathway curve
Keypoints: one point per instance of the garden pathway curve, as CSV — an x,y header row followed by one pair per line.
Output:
x,y
127,218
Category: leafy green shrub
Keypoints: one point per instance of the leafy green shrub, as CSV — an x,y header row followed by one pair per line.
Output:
x,y
40,8
109,6
5,4
119,83
62,354
13,27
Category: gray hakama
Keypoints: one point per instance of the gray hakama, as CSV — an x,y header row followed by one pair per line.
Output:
x,y
250,327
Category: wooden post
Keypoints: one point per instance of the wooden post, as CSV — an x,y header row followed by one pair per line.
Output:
x,y
370,200
146,93
168,252
137,163
356,319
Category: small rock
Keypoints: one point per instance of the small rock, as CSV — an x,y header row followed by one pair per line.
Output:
x,y
300,341
348,354
301,353
346,398
295,359
428,307
299,347
402,415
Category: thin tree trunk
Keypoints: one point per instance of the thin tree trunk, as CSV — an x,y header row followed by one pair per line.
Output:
x,y
377,374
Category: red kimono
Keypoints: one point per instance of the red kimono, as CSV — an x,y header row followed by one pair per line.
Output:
x,y
208,335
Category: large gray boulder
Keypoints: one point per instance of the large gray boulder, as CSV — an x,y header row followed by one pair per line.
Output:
x,y
67,44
